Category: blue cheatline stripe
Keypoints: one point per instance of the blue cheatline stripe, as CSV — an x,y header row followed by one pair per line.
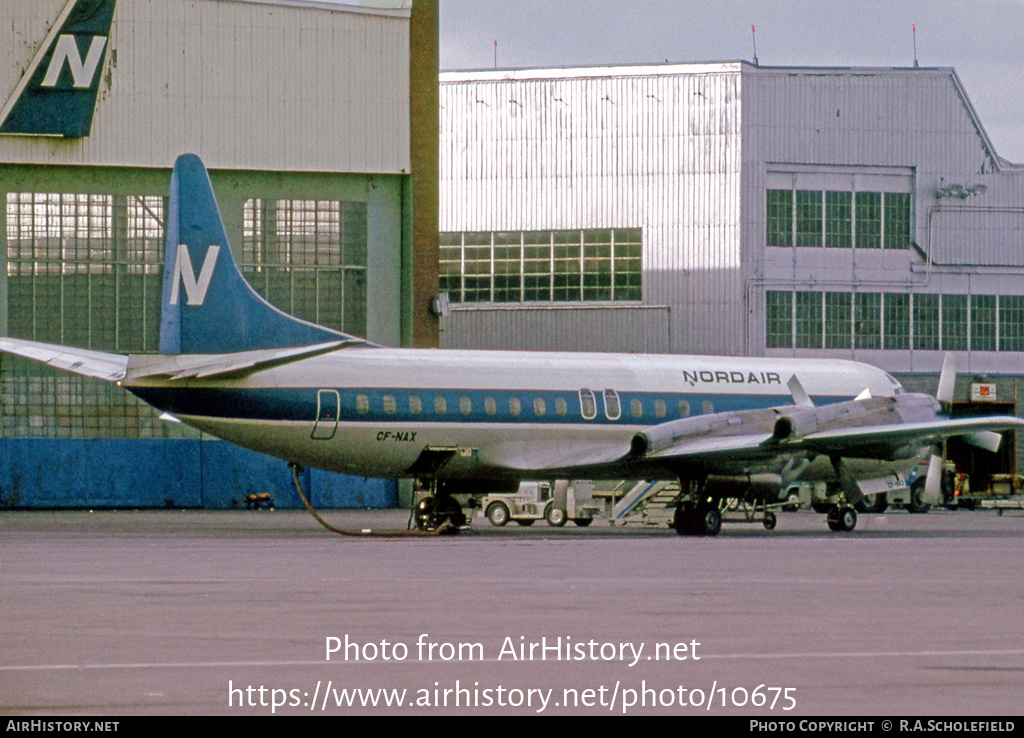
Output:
x,y
381,405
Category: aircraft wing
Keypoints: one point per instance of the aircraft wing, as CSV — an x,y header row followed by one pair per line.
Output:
x,y
97,364
876,441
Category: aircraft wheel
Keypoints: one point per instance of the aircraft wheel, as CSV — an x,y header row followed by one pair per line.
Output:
x,y
498,514
706,520
770,520
842,519
682,521
555,516
710,522
433,512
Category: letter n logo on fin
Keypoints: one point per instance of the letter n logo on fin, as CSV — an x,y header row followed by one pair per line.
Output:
x,y
57,94
195,289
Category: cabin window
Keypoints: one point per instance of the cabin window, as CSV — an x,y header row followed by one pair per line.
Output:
x,y
490,406
659,409
415,404
514,406
440,405
684,409
465,405
561,406
362,404
708,407
612,411
588,405
539,406
390,406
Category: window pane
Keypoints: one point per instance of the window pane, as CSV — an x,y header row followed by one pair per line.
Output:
x,y
808,218
983,322
779,319
897,220
954,322
897,321
1011,323
926,322
867,320
780,218
868,224
839,219
808,320
838,315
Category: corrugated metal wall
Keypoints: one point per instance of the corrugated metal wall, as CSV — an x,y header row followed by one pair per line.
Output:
x,y
608,328
245,85
611,149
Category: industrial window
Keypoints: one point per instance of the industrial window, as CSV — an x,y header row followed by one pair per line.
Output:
x,y
897,321
926,322
872,320
954,322
1011,323
596,265
84,269
838,319
780,218
308,258
838,219
808,218
983,322
868,220
897,220
779,317
867,320
808,320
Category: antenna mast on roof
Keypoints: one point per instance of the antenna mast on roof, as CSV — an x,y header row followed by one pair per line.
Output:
x,y
913,30
753,37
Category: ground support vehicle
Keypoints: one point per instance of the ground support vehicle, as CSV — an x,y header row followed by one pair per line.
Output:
x,y
555,502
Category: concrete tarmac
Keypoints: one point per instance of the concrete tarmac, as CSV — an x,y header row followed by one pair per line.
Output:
x,y
259,612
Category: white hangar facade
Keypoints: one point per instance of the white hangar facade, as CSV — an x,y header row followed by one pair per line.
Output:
x,y
734,209
310,119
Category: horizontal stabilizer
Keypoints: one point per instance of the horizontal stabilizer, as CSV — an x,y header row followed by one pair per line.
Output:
x,y
200,366
96,364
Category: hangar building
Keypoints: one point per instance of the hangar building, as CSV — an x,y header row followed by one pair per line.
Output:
x,y
310,118
734,209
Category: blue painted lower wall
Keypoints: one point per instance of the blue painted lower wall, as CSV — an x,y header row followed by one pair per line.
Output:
x,y
71,473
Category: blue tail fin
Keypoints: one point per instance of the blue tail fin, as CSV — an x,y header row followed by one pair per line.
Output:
x,y
208,307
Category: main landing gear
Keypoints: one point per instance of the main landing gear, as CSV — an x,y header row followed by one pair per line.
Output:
x,y
697,517
841,518
439,511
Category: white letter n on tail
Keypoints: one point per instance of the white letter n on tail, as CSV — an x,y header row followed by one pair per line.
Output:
x,y
195,289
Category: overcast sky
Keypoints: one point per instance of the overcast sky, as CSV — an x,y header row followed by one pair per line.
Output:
x,y
982,39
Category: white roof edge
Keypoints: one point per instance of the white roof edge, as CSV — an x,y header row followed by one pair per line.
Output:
x,y
340,7
622,70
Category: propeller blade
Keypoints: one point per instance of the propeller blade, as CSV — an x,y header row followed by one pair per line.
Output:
x,y
933,484
800,396
988,440
947,379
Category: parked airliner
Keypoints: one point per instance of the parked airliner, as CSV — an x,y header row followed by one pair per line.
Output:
x,y
729,428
